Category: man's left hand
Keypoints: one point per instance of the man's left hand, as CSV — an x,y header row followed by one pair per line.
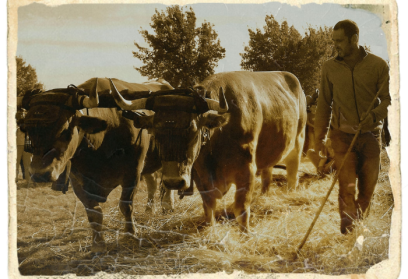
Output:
x,y
367,122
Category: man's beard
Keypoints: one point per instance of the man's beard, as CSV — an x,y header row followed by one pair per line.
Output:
x,y
343,52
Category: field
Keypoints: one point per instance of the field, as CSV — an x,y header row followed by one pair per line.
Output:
x,y
53,234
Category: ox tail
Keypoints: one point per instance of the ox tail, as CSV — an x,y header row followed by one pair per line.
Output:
x,y
296,88
306,145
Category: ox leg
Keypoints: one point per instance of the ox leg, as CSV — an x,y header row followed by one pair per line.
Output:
x,y
209,201
292,162
209,204
95,218
168,200
245,180
292,167
126,206
27,161
314,158
151,185
266,176
94,213
20,151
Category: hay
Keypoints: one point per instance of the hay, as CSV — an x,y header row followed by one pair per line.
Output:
x,y
54,235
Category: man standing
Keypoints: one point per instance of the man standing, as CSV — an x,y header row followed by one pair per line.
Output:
x,y
21,154
349,83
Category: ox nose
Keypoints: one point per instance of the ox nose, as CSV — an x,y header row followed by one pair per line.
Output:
x,y
175,176
175,183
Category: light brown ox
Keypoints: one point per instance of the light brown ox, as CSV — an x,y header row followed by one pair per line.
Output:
x,y
265,124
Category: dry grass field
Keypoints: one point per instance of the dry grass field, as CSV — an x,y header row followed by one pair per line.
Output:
x,y
54,235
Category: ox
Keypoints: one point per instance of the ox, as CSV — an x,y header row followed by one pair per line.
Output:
x,y
265,124
99,145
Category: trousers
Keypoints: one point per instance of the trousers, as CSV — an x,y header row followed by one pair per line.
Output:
x,y
363,166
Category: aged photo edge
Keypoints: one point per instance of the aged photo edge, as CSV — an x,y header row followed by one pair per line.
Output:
x,y
386,269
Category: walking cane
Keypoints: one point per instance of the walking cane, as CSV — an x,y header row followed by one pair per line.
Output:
x,y
335,177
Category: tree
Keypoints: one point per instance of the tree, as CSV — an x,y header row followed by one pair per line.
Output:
x,y
26,77
316,47
280,47
179,52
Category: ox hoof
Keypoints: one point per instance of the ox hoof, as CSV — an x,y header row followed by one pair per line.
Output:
x,y
99,247
244,229
167,207
128,239
149,209
165,210
292,186
209,224
130,229
346,226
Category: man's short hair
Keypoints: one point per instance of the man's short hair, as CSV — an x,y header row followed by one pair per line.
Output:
x,y
350,28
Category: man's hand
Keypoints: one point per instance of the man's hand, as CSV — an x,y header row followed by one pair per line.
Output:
x,y
367,122
320,149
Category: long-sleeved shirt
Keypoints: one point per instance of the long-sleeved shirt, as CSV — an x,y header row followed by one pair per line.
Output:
x,y
346,94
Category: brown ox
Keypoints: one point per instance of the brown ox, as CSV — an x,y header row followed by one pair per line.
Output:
x,y
102,147
265,124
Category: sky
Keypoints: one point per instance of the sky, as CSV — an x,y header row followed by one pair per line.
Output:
x,y
70,44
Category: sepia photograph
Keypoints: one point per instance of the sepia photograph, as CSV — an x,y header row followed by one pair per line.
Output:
x,y
211,139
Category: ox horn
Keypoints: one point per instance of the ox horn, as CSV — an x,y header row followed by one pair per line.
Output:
x,y
221,106
126,104
93,100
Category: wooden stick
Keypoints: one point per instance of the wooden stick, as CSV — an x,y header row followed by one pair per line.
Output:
x,y
328,194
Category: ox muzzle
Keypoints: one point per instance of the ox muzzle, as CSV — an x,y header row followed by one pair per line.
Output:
x,y
176,176
44,168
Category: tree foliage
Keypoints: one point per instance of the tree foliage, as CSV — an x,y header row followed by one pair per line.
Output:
x,y
26,77
179,52
282,48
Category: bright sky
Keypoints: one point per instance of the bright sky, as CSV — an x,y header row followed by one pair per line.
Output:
x,y
72,43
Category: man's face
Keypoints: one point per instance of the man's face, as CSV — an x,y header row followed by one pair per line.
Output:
x,y
342,43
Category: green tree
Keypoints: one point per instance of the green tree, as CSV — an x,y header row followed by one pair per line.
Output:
x,y
26,77
179,52
316,47
280,47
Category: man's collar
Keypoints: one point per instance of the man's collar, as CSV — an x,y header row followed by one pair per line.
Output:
x,y
363,54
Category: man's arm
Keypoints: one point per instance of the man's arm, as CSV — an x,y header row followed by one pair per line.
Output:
x,y
324,107
383,86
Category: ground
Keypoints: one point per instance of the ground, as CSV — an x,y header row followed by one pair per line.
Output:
x,y
53,234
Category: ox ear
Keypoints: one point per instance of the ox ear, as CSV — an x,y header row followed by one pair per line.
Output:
x,y
214,120
143,121
92,125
